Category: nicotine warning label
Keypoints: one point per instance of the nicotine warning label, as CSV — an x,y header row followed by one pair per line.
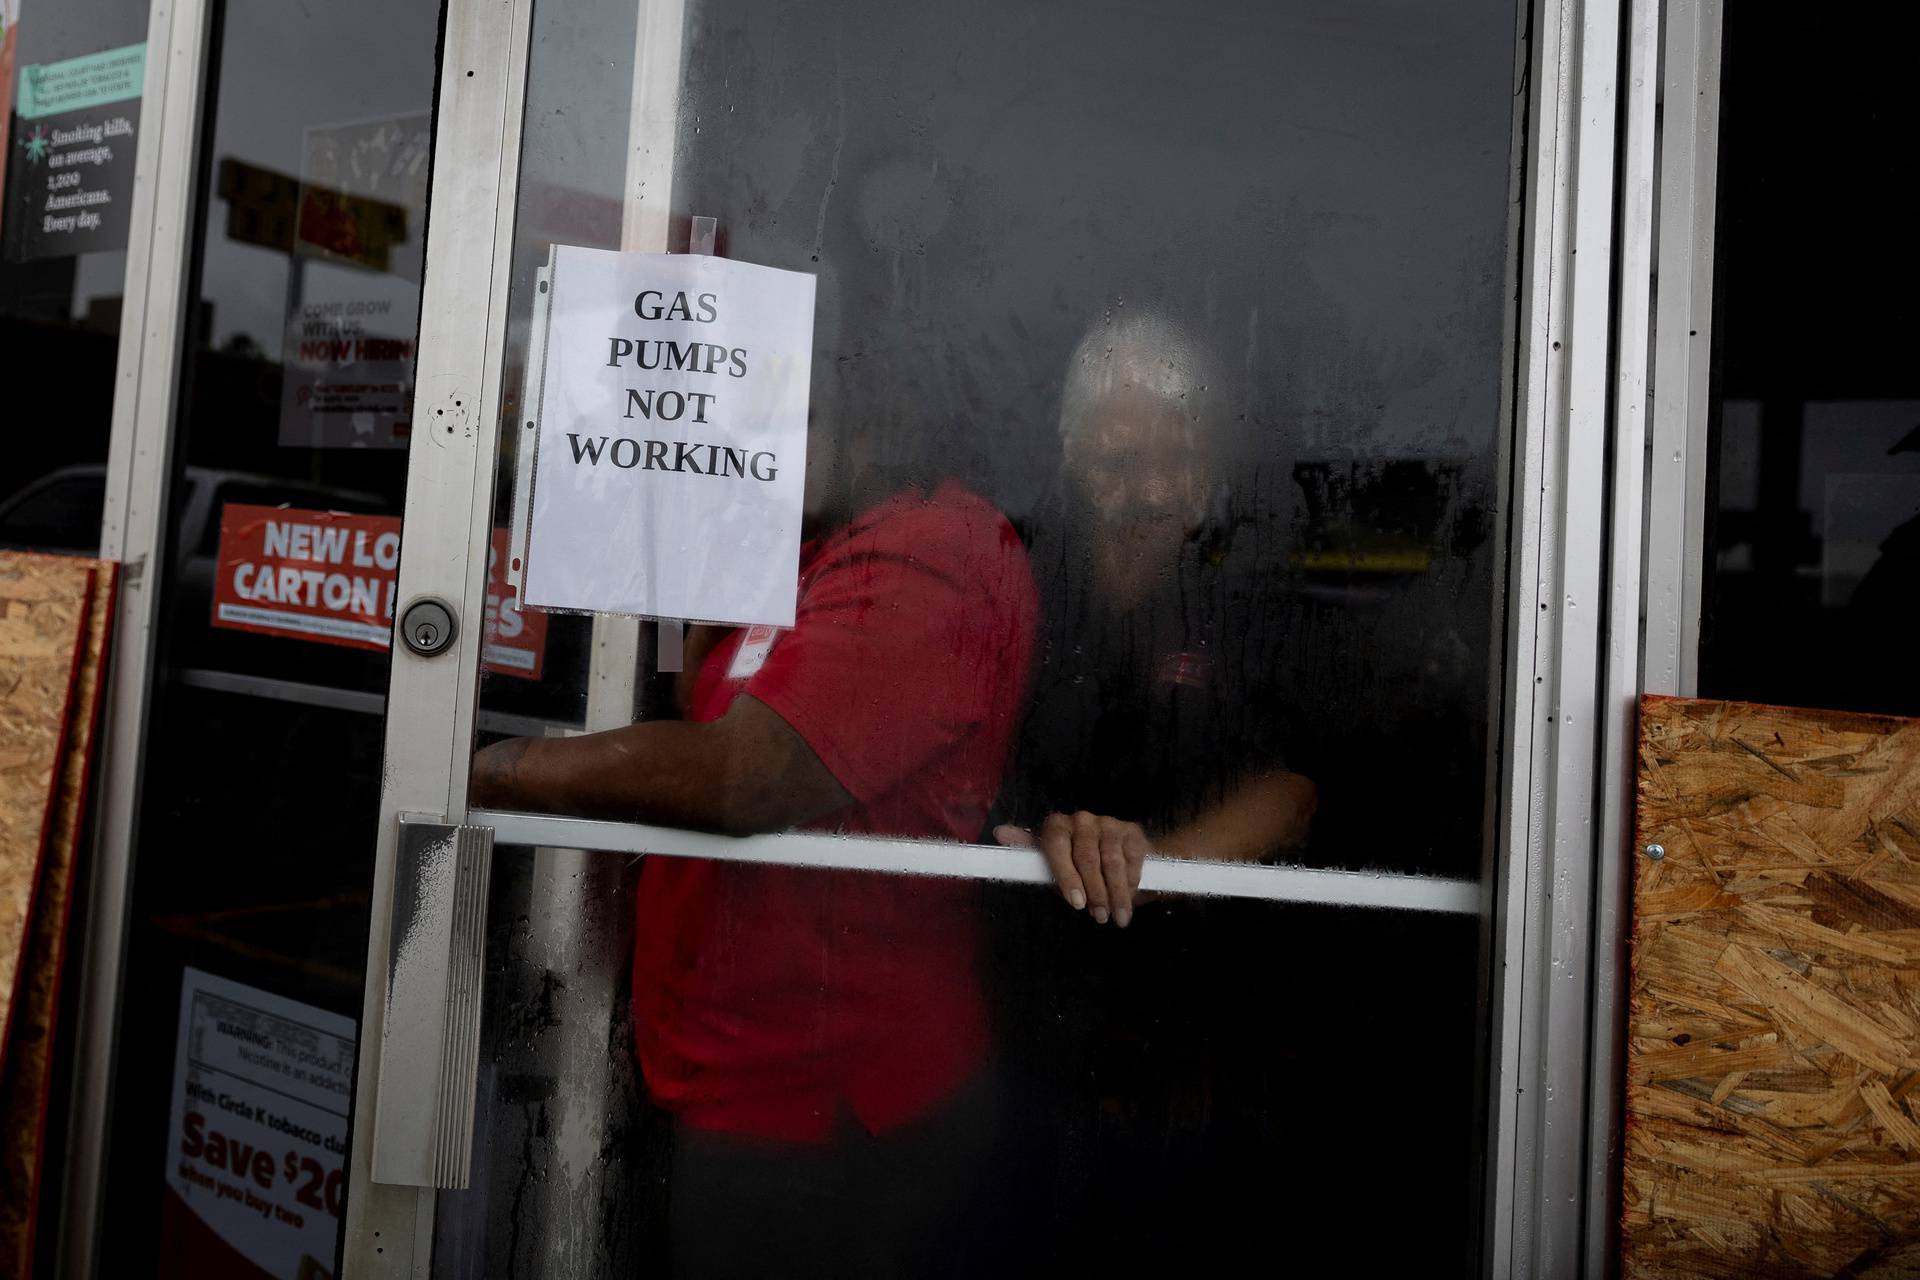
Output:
x,y
672,434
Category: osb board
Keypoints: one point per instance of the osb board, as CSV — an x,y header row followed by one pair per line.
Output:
x,y
1773,1122
25,1082
43,608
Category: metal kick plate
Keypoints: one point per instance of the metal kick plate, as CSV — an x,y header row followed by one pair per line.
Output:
x,y
430,1038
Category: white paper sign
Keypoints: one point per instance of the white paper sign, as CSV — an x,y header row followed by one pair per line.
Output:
x,y
257,1145
672,438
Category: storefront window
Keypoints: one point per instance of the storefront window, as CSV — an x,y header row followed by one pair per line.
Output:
x,y
1154,450
72,75
61,282
1813,535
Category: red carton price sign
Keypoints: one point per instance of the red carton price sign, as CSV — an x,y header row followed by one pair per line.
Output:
x,y
330,577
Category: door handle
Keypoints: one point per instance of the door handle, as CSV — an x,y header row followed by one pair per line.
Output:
x,y
430,1036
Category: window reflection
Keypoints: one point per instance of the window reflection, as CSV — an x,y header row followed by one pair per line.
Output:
x,y
1812,527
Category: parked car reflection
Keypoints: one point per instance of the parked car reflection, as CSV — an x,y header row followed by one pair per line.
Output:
x,y
60,513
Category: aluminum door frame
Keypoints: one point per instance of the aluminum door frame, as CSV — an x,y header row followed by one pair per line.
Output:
x,y
1668,157
1687,185
1574,618
431,701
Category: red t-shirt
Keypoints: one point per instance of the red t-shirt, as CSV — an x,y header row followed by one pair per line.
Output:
x,y
766,997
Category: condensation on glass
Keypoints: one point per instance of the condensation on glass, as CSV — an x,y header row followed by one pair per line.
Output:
x,y
1238,1080
1317,241
1210,309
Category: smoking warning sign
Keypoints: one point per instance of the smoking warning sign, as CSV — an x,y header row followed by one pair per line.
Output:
x,y
672,425
330,577
257,1144
70,171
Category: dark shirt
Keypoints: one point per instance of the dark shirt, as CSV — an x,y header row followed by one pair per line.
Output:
x,y
1202,1061
1139,1050
1155,713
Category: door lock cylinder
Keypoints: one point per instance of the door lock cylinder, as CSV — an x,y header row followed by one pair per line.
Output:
x,y
428,626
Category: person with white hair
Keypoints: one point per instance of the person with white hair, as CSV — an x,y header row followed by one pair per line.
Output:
x,y
1151,729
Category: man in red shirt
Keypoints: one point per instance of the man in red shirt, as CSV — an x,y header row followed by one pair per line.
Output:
x,y
819,1036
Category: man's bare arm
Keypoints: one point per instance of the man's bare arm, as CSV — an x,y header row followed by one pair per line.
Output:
x,y
746,772
1259,818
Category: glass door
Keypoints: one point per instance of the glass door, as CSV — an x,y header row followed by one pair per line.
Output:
x,y
260,769
1092,864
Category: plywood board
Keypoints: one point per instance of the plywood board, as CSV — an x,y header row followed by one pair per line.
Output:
x,y
1773,1090
43,612
25,1082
